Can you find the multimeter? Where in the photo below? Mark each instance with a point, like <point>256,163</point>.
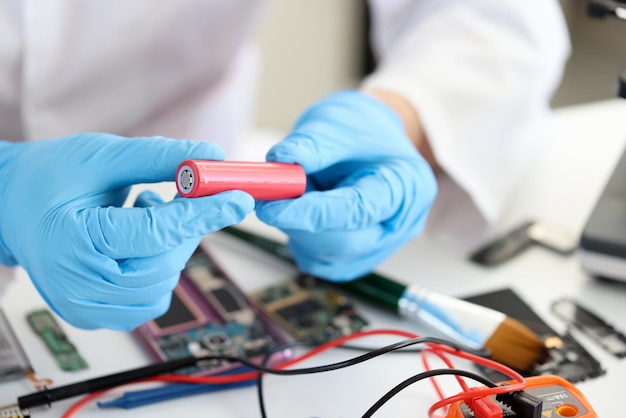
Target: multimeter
<point>560,399</point>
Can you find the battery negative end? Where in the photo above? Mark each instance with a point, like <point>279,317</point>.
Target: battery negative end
<point>185,179</point>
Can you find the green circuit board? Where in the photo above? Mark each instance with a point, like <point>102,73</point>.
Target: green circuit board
<point>309,310</point>
<point>65,353</point>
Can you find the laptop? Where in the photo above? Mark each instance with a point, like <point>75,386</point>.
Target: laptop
<point>603,239</point>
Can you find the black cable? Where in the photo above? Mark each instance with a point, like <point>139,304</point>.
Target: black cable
<point>368,349</point>
<point>259,379</point>
<point>480,352</point>
<point>399,346</point>
<point>259,385</point>
<point>422,376</point>
<point>342,364</point>
<point>261,398</point>
<point>46,397</point>
<point>385,398</point>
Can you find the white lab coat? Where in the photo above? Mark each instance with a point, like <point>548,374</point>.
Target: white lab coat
<point>479,72</point>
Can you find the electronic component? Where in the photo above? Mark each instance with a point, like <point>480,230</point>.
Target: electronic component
<point>565,356</point>
<point>65,353</point>
<point>210,315</point>
<point>222,294</point>
<point>504,248</point>
<point>13,360</point>
<point>592,325</point>
<point>263,180</point>
<point>306,307</point>
<point>545,397</point>
<point>14,411</point>
<point>309,310</point>
<point>519,239</point>
<point>182,315</point>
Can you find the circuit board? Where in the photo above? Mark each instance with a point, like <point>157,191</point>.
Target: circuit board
<point>65,353</point>
<point>210,315</point>
<point>309,310</point>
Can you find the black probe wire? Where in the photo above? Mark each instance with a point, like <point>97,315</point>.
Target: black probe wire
<point>259,379</point>
<point>47,396</point>
<point>482,352</point>
<point>268,355</point>
<point>425,375</point>
<point>368,349</point>
<point>350,362</point>
<point>396,347</point>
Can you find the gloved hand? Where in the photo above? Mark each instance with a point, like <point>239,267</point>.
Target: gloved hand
<point>368,189</point>
<point>97,264</point>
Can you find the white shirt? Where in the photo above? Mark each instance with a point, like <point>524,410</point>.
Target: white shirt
<point>480,74</point>
<point>180,68</point>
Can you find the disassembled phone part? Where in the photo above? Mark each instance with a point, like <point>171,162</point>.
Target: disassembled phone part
<point>595,327</point>
<point>13,360</point>
<point>209,314</point>
<point>519,239</point>
<point>565,356</point>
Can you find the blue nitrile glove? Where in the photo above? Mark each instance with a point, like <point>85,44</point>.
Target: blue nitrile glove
<point>369,190</point>
<point>97,264</point>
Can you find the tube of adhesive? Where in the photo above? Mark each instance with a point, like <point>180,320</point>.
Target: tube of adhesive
<point>262,180</point>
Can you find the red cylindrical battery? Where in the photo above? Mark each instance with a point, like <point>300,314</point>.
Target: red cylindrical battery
<point>263,180</point>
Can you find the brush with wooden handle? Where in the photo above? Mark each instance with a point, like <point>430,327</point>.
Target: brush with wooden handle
<point>508,341</point>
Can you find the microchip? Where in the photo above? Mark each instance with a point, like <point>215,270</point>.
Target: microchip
<point>309,310</point>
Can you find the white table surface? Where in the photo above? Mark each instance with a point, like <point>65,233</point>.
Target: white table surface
<point>584,144</point>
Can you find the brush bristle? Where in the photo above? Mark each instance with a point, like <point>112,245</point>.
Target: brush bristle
<point>515,345</point>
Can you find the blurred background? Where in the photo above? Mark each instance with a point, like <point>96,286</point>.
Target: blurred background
<point>326,42</point>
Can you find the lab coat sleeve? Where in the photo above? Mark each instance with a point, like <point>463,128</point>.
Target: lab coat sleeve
<point>480,74</point>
